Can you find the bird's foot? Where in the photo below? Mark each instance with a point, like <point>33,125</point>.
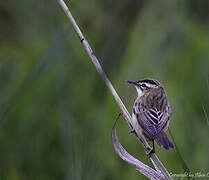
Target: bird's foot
<point>150,152</point>
<point>132,131</point>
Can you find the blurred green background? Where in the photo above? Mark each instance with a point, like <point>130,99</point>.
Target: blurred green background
<point>56,114</point>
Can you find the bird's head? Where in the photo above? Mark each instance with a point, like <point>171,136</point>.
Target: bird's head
<point>145,85</point>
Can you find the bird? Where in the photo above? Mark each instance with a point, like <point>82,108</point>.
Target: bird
<point>151,112</point>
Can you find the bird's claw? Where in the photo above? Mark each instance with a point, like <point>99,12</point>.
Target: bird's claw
<point>152,151</point>
<point>132,131</point>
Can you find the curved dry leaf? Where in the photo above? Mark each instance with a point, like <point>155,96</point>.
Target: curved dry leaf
<point>141,167</point>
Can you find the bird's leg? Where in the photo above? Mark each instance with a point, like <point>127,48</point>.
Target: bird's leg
<point>152,150</point>
<point>153,146</point>
<point>132,131</point>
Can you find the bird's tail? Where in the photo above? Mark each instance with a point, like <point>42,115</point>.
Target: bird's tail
<point>162,140</point>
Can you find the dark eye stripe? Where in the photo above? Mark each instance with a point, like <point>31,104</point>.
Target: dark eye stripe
<point>143,85</point>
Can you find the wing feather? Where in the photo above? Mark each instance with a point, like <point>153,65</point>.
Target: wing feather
<point>152,121</point>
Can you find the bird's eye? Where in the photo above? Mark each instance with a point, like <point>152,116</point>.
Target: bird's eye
<point>143,85</point>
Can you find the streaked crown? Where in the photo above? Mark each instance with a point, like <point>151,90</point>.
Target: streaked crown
<point>148,83</point>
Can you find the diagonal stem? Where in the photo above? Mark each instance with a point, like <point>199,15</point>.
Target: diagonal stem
<point>125,112</point>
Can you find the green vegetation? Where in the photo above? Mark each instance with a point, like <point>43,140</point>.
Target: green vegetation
<point>56,114</point>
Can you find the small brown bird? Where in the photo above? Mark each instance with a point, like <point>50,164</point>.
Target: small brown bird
<point>151,111</point>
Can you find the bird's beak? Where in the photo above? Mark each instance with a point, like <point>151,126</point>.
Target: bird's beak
<point>133,82</point>
<point>137,86</point>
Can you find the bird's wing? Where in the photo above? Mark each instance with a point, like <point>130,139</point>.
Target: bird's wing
<point>152,121</point>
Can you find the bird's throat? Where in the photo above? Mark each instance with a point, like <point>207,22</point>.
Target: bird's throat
<point>139,91</point>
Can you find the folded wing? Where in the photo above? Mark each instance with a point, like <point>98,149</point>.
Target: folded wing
<point>152,121</point>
